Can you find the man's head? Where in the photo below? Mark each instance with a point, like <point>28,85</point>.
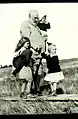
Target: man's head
<point>33,16</point>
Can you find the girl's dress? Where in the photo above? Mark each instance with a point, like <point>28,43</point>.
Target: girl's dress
<point>55,73</point>
<point>26,72</point>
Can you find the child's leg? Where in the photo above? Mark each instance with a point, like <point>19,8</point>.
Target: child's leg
<point>23,88</point>
<point>51,86</point>
<point>17,85</point>
<point>28,87</point>
<point>54,88</point>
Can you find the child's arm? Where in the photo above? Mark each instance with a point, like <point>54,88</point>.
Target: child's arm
<point>44,55</point>
<point>16,71</point>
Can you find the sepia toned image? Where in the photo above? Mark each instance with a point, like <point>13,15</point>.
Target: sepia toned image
<point>38,58</point>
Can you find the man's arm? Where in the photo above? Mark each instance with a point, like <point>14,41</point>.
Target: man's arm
<point>25,30</point>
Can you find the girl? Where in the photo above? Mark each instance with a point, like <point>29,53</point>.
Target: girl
<point>23,68</point>
<point>55,73</point>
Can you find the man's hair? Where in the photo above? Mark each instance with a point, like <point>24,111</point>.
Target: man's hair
<point>31,12</point>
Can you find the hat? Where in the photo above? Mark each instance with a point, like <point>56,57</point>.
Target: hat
<point>21,42</point>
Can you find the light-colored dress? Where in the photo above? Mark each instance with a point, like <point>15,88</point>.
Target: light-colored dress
<point>54,77</point>
<point>25,73</point>
<point>55,73</point>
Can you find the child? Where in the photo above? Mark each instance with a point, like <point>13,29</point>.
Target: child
<point>55,73</point>
<point>23,68</point>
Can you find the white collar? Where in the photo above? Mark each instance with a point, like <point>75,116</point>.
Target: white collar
<point>51,55</point>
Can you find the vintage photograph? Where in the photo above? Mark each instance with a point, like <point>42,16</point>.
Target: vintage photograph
<point>38,58</point>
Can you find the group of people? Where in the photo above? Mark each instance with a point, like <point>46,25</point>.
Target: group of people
<point>30,51</point>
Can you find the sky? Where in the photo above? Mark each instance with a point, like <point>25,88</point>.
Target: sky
<point>63,18</point>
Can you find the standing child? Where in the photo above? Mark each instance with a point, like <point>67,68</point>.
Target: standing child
<point>55,73</point>
<point>23,67</point>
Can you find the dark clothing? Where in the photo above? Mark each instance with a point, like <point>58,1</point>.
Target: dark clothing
<point>44,26</point>
<point>23,60</point>
<point>27,53</point>
<point>18,63</point>
<point>52,63</point>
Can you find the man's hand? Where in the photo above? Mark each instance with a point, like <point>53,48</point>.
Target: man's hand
<point>38,49</point>
<point>46,70</point>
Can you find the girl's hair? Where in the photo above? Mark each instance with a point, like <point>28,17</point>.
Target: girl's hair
<point>21,43</point>
<point>51,44</point>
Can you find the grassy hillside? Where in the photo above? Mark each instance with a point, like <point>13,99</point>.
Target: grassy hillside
<point>69,86</point>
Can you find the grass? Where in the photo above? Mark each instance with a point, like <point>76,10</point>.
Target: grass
<point>69,86</point>
<point>23,107</point>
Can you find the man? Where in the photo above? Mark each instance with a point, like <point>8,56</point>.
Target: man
<point>30,30</point>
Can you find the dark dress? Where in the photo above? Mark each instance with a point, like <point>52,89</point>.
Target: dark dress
<point>53,64</point>
<point>23,60</point>
<point>55,73</point>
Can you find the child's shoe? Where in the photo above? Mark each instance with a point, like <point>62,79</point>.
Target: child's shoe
<point>22,95</point>
<point>54,93</point>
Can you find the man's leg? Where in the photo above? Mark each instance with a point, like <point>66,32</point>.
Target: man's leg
<point>37,72</point>
<point>38,83</point>
<point>39,79</point>
<point>35,78</point>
